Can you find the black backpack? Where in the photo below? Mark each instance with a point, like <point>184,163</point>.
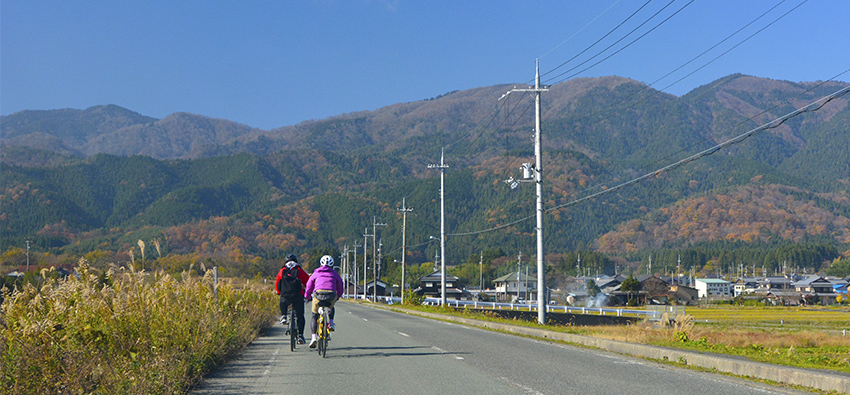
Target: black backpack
<point>289,284</point>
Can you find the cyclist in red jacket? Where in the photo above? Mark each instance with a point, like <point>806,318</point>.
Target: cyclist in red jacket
<point>289,284</point>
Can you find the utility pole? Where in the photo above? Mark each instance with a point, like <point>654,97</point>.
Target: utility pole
<point>375,224</point>
<point>678,265</point>
<point>525,284</point>
<point>354,248</point>
<point>378,270</point>
<point>28,255</point>
<point>404,210</point>
<point>480,274</point>
<point>518,263</point>
<point>442,166</point>
<point>538,180</point>
<point>365,252</point>
<point>344,269</point>
<point>650,265</point>
<point>578,266</point>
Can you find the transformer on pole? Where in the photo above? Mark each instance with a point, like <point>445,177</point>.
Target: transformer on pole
<point>537,172</point>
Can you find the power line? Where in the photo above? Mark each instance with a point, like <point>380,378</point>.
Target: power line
<point>585,26</point>
<point>749,119</point>
<point>617,107</point>
<point>626,46</point>
<point>479,131</point>
<point>495,113</point>
<point>493,228</point>
<point>811,107</point>
<point>721,42</point>
<point>814,106</point>
<point>603,37</point>
<point>699,56</point>
<point>499,109</point>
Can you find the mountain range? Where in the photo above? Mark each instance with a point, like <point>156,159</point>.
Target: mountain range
<point>74,176</point>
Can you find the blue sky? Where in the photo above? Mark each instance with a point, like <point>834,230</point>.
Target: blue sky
<point>269,64</point>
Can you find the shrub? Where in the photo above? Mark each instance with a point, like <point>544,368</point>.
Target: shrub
<point>130,333</point>
<point>412,298</point>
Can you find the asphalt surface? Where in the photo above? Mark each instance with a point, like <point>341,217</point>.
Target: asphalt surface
<point>380,351</point>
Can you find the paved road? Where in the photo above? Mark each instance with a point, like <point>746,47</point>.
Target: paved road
<point>378,351</point>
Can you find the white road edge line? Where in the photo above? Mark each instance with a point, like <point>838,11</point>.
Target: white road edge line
<point>525,389</point>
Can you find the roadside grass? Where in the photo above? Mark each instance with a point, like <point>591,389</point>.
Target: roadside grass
<point>124,332</point>
<point>802,337</point>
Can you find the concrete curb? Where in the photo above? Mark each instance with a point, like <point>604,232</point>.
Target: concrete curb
<point>822,380</point>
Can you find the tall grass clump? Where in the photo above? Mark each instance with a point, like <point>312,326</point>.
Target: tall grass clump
<point>125,332</point>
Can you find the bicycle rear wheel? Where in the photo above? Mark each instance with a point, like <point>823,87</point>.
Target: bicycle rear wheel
<point>320,325</point>
<point>319,343</point>
<point>293,330</point>
<point>326,332</point>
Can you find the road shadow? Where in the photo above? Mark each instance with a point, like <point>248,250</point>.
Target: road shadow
<point>383,352</point>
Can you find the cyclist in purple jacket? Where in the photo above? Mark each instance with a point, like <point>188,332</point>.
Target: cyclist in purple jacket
<point>324,283</point>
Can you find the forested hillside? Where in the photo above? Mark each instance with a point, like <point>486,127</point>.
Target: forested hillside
<point>249,195</point>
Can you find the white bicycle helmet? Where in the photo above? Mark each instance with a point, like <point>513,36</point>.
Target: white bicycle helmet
<point>326,260</point>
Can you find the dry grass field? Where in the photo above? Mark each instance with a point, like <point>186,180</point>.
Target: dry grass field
<point>124,333</point>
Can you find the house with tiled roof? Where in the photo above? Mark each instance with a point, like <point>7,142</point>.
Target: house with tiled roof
<point>430,286</point>
<point>813,284</point>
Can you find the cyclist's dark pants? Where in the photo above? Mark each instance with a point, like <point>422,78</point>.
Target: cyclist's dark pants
<point>298,305</point>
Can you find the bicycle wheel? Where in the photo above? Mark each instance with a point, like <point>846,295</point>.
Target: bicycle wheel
<point>327,334</point>
<point>320,328</point>
<point>293,329</point>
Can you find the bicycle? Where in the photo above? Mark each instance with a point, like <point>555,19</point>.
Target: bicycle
<point>323,334</point>
<point>291,328</point>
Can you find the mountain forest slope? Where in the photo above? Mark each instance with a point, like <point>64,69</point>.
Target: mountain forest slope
<point>75,181</point>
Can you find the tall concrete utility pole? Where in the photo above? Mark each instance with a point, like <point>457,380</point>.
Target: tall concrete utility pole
<point>538,181</point>
<point>650,265</point>
<point>480,274</point>
<point>378,269</point>
<point>442,166</point>
<point>365,252</point>
<point>375,224</point>
<point>354,265</point>
<point>578,266</point>
<point>344,270</point>
<point>404,210</point>
<point>518,271</point>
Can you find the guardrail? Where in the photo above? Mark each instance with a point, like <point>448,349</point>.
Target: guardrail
<point>653,314</point>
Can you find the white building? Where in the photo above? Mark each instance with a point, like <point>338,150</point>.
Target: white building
<point>515,286</point>
<point>713,287</point>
